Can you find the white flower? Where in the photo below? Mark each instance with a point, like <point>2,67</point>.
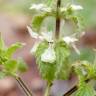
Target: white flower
<point>48,55</point>
<point>69,40</point>
<point>35,47</point>
<point>76,7</point>
<point>40,7</point>
<point>37,6</point>
<point>47,36</point>
<point>32,34</point>
<point>44,35</point>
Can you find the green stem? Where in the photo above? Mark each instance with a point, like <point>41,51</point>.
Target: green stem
<point>71,91</point>
<point>57,31</point>
<point>47,91</point>
<point>23,86</point>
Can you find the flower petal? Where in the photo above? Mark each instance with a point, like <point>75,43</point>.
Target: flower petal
<point>32,34</point>
<point>48,55</point>
<point>47,36</point>
<point>69,40</point>
<point>34,48</point>
<point>76,7</point>
<point>40,7</point>
<point>37,6</point>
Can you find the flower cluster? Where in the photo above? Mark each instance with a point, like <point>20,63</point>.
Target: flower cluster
<point>49,53</point>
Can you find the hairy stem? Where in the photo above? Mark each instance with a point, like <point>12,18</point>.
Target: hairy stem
<point>57,31</point>
<point>47,91</point>
<point>71,91</point>
<point>23,86</point>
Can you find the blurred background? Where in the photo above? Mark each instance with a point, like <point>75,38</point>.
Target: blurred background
<point>14,17</point>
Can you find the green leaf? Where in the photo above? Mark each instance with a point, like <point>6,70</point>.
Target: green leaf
<point>80,70</point>
<point>22,66</point>
<point>78,23</point>
<point>85,54</point>
<point>9,52</point>
<point>47,70</point>
<point>85,90</point>
<point>62,62</point>
<point>38,20</point>
<point>58,69</point>
<point>11,66</point>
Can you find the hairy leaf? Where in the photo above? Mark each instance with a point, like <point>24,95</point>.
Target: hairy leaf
<point>22,66</point>
<point>85,54</point>
<point>85,90</point>
<point>11,66</point>
<point>47,70</point>
<point>63,67</point>
<point>9,52</point>
<point>38,20</point>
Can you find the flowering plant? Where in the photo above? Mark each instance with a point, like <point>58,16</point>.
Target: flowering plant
<point>55,54</point>
<point>53,51</point>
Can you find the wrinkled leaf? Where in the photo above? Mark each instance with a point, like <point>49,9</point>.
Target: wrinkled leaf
<point>37,22</point>
<point>47,70</point>
<point>11,66</point>
<point>22,66</point>
<point>85,54</point>
<point>62,63</point>
<point>12,49</point>
<point>85,90</point>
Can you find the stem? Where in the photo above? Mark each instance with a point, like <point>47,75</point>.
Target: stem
<point>57,31</point>
<point>74,89</point>
<point>47,91</point>
<point>23,86</point>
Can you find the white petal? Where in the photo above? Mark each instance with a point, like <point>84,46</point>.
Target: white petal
<point>76,49</point>
<point>40,7</point>
<point>35,47</point>
<point>48,55</point>
<point>76,7</point>
<point>37,6</point>
<point>47,9</point>
<point>47,36</point>
<point>32,34</point>
<point>69,40</point>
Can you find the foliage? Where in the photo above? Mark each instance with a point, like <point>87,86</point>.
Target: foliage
<point>10,66</point>
<point>53,55</point>
<point>53,51</point>
<point>85,90</point>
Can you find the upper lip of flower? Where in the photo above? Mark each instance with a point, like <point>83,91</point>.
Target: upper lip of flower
<point>40,7</point>
<point>69,39</point>
<point>48,37</point>
<point>44,35</point>
<point>76,7</point>
<point>48,55</point>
